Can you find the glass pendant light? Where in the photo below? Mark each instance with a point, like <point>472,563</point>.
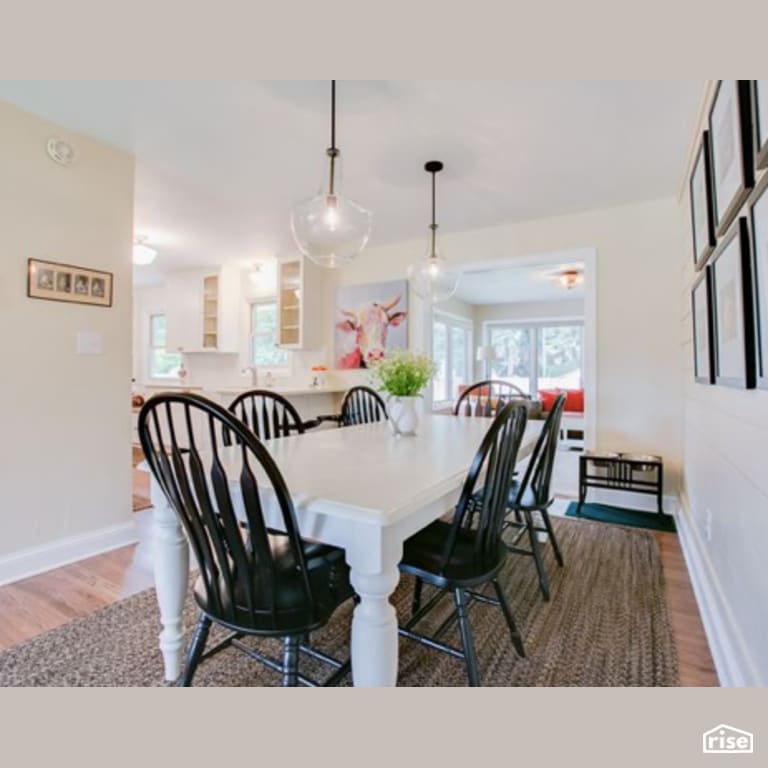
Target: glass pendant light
<point>431,278</point>
<point>331,229</point>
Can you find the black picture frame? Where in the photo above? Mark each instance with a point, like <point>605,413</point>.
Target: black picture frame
<point>701,294</point>
<point>733,309</point>
<point>731,149</point>
<point>760,122</point>
<point>54,281</point>
<point>758,228</point>
<point>700,186</point>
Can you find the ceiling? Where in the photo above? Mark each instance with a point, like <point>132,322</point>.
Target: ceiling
<point>532,282</point>
<point>220,163</point>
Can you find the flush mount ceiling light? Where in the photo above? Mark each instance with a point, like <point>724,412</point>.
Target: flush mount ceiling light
<point>331,229</point>
<point>431,279</point>
<point>60,151</point>
<point>570,278</point>
<point>142,254</point>
<point>256,273</point>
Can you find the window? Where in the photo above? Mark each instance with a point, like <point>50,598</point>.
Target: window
<point>452,352</point>
<point>162,364</point>
<point>514,346</point>
<point>264,350</point>
<point>538,356</point>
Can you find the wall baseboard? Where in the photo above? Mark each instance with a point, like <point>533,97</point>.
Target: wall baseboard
<point>732,659</point>
<point>29,562</point>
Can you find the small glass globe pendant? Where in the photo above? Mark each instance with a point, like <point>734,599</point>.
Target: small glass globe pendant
<point>431,278</point>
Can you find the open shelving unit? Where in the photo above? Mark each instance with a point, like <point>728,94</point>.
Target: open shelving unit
<point>290,301</point>
<point>211,312</point>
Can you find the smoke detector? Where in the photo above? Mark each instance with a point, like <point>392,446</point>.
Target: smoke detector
<point>61,152</point>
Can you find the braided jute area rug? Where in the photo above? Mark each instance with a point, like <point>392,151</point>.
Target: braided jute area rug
<point>606,625</point>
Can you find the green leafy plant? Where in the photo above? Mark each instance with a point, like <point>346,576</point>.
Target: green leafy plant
<point>404,374</point>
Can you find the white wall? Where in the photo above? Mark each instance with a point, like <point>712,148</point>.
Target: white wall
<point>638,357</point>
<point>458,308</point>
<point>725,434</point>
<point>65,456</point>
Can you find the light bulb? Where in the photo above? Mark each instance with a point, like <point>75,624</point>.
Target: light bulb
<point>331,213</point>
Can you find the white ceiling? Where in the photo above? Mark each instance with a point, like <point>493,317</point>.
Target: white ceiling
<point>219,164</point>
<point>532,282</point>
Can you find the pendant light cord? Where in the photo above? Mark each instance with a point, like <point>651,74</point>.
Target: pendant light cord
<point>433,225</point>
<point>333,114</point>
<point>332,151</point>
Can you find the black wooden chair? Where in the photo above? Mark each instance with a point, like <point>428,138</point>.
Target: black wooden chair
<point>487,398</point>
<point>467,553</point>
<point>533,495</point>
<point>361,405</point>
<point>251,581</point>
<point>268,414</point>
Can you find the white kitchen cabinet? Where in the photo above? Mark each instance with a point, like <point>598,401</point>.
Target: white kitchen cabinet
<point>202,310</point>
<point>299,288</point>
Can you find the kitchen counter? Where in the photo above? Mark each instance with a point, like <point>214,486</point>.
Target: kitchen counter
<point>281,390</point>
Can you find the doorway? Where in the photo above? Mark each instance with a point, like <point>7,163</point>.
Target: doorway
<point>530,321</point>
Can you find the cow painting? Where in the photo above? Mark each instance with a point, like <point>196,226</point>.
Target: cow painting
<point>370,320</point>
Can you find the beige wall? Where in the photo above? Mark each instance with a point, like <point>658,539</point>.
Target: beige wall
<point>458,308</point>
<point>521,311</point>
<point>638,355</point>
<point>725,434</point>
<point>66,455</point>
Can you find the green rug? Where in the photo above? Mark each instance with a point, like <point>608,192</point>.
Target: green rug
<point>606,514</point>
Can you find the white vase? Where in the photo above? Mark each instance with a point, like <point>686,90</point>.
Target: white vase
<point>403,417</point>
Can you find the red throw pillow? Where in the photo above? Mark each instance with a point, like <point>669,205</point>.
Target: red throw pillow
<point>574,400</point>
<point>548,397</point>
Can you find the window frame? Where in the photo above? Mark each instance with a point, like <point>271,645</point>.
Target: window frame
<point>152,347</point>
<point>252,333</point>
<point>452,321</point>
<point>536,326</point>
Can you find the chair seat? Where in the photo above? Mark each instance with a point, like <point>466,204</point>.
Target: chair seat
<point>528,500</point>
<point>328,575</point>
<point>423,556</point>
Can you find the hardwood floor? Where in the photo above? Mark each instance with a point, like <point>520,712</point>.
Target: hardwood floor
<point>43,602</point>
<point>696,665</point>
<point>51,599</point>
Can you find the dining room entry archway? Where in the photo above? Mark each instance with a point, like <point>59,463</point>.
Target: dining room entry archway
<point>533,282</point>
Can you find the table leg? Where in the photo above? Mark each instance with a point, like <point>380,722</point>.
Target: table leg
<point>660,490</point>
<point>374,576</point>
<point>171,567</point>
<point>582,484</point>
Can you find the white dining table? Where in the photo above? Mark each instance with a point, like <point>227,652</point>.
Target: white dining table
<point>360,488</point>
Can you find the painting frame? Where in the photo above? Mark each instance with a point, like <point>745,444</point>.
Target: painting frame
<point>733,309</point>
<point>731,150</point>
<point>760,122</point>
<point>700,184</point>
<point>56,281</point>
<point>701,291</point>
<point>369,320</point>
<point>758,232</point>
